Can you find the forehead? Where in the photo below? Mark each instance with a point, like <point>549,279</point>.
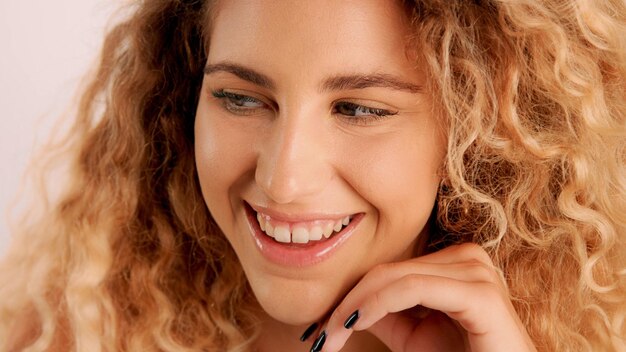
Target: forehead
<point>306,38</point>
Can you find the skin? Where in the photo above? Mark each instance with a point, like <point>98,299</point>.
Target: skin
<point>296,148</point>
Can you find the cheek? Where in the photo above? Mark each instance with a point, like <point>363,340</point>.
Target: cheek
<point>224,157</point>
<point>399,176</point>
<point>399,170</point>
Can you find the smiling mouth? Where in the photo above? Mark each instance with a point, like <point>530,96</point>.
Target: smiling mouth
<point>299,232</point>
<point>317,230</point>
<point>299,241</point>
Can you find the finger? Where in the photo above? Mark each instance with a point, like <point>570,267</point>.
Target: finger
<point>310,331</point>
<point>466,252</point>
<point>407,292</point>
<point>465,262</point>
<point>385,276</point>
<point>457,253</point>
<point>466,271</point>
<point>456,256</point>
<point>460,300</point>
<point>482,309</point>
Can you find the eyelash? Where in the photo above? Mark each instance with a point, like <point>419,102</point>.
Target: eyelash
<point>228,98</point>
<point>370,114</point>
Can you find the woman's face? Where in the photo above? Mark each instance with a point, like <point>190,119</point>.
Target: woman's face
<point>312,115</point>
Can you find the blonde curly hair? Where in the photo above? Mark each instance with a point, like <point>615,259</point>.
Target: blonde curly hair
<point>534,98</point>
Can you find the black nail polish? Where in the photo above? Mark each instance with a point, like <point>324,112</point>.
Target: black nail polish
<point>352,319</point>
<point>311,329</point>
<point>319,342</point>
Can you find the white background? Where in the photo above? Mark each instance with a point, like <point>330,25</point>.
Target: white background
<point>46,47</point>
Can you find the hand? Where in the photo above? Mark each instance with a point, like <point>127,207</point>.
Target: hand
<point>471,307</point>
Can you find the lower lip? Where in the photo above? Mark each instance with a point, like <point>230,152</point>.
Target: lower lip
<point>298,254</point>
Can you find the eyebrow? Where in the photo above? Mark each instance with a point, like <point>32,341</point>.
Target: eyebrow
<point>361,81</point>
<point>333,83</point>
<point>242,72</point>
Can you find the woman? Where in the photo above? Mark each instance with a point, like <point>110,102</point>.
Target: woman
<point>363,176</point>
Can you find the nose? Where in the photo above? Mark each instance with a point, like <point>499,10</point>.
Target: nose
<point>293,159</point>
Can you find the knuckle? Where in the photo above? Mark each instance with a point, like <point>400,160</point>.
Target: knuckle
<point>498,278</point>
<point>380,270</point>
<point>481,272</point>
<point>377,298</point>
<point>339,314</point>
<point>490,292</point>
<point>413,282</point>
<point>473,250</point>
<point>485,296</point>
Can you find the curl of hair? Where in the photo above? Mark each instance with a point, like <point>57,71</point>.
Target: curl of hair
<point>533,96</point>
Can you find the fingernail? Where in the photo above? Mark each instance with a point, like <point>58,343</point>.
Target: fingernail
<point>351,320</point>
<point>311,329</point>
<point>319,342</point>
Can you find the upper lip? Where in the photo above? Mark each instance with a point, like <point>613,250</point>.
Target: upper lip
<point>297,217</point>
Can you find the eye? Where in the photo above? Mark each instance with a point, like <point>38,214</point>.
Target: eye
<point>238,103</point>
<point>360,114</point>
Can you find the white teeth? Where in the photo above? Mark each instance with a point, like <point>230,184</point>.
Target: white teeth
<point>261,221</point>
<point>328,230</point>
<point>315,234</point>
<point>300,235</point>
<point>281,234</point>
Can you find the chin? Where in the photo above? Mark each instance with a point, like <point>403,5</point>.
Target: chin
<point>295,303</point>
